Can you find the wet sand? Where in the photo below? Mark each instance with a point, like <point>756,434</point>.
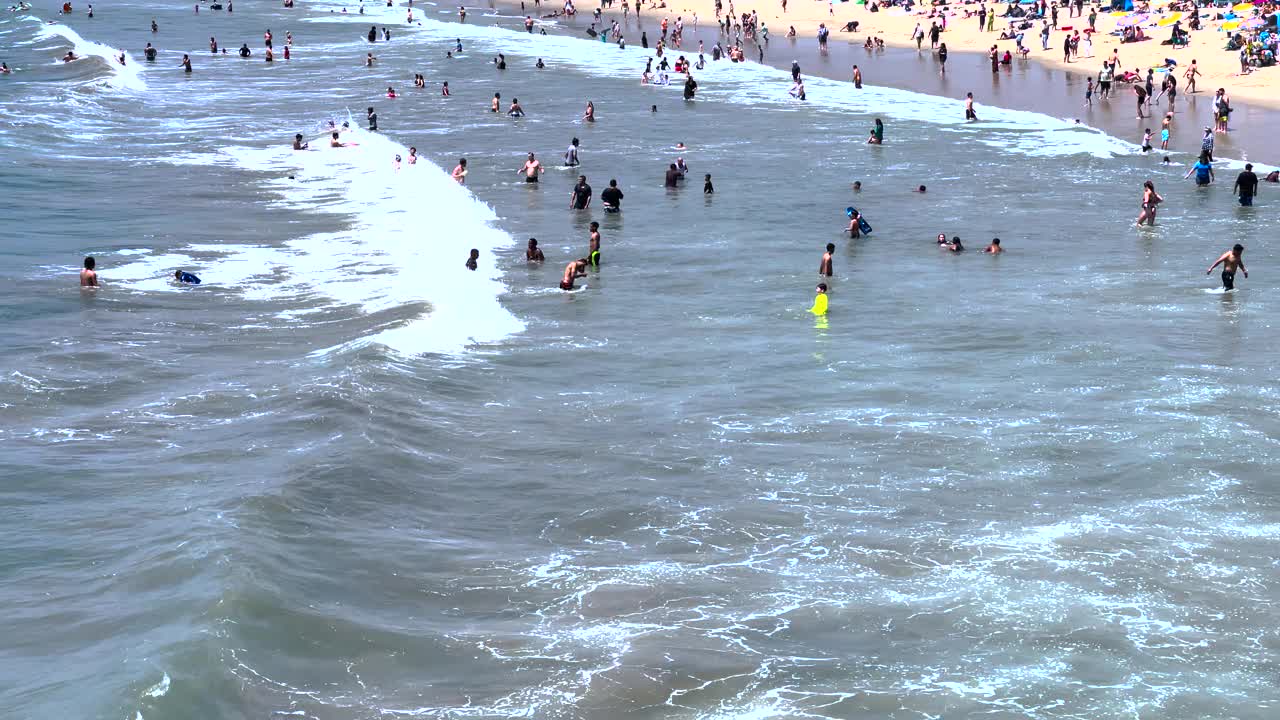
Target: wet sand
<point>1027,85</point>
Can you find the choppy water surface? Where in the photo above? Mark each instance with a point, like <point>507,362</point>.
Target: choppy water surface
<point>348,478</point>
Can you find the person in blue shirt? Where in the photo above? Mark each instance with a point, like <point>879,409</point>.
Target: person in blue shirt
<point>1203,170</point>
<point>186,278</point>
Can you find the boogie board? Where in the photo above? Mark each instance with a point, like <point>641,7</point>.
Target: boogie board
<point>863,226</point>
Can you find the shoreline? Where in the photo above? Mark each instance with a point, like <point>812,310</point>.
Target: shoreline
<point>1029,85</point>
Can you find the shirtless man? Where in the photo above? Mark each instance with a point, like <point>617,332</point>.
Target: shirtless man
<point>1229,260</point>
<point>824,268</point>
<point>297,142</point>
<point>493,106</point>
<point>89,276</point>
<point>573,271</point>
<point>515,110</point>
<point>594,246</point>
<point>460,171</point>
<point>473,261</point>
<point>994,248</point>
<point>534,253</point>
<point>969,114</point>
<point>532,169</point>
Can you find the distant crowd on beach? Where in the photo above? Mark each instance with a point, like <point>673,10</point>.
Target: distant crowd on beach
<point>737,30</point>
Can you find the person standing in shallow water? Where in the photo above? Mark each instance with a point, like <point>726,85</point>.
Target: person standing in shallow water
<point>1150,201</point>
<point>1230,262</point>
<point>89,275</point>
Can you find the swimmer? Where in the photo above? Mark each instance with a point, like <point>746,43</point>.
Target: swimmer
<point>540,65</point>
<point>533,253</point>
<point>372,117</point>
<point>942,239</point>
<point>444,89</point>
<point>334,141</point>
<point>573,271</point>
<point>185,278</point>
<point>4,69</point>
<point>244,50</point>
<point>877,134</point>
<point>580,199</point>
<point>396,163</point>
<point>460,171</point>
<point>391,92</point>
<point>298,144</point>
<point>368,59</point>
<point>684,169</point>
<point>1229,260</point>
<point>495,104</point>
<point>955,245</point>
<point>594,245</point>
<point>186,64</point>
<point>413,156</point>
<point>611,197</point>
<point>653,109</point>
<point>571,154</point>
<point>69,57</point>
<point>531,169</point>
<point>474,261</point>
<point>707,187</point>
<point>89,275</point>
<point>681,146</point>
<point>590,114</point>
<point>969,114</point>
<point>855,224</point>
<point>994,248</point>
<point>673,176</point>
<point>500,61</point>
<point>922,189</point>
<point>857,186</point>
<point>824,268</point>
<point>819,307</point>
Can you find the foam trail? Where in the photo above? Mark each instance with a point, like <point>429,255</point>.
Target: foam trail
<point>125,77</point>
<point>410,235</point>
<point>765,87</point>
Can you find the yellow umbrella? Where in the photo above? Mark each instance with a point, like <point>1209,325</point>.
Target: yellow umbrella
<point>1170,20</point>
<point>1119,13</point>
<point>1232,25</point>
<point>1243,7</point>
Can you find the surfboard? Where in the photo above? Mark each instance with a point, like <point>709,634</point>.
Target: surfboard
<point>863,226</point>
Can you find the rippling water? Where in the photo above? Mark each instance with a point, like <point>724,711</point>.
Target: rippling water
<point>348,478</point>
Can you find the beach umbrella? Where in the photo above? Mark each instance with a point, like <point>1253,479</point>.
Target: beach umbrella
<point>1170,20</point>
<point>1252,23</point>
<point>1131,20</point>
<point>1232,25</point>
<point>1243,7</point>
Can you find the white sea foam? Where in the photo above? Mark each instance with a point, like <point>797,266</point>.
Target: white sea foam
<point>411,231</point>
<point>125,77</point>
<point>765,87</point>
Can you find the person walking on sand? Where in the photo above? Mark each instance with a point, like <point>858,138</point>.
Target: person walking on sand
<point>1230,261</point>
<point>1150,201</point>
<point>1190,76</point>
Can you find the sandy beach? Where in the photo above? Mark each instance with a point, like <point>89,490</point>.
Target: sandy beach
<point>1218,67</point>
<point>1038,83</point>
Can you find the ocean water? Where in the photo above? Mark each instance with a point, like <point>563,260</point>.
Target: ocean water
<point>347,477</point>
